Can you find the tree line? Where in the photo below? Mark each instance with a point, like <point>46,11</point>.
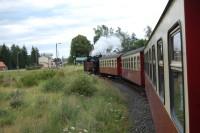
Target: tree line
<point>129,41</point>
<point>18,57</point>
<point>81,46</point>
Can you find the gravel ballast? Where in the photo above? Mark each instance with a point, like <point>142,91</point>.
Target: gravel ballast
<point>139,110</point>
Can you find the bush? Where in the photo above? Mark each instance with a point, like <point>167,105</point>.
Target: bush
<point>33,67</point>
<point>6,118</point>
<point>29,80</point>
<point>16,99</point>
<point>46,74</point>
<point>60,73</point>
<point>33,78</point>
<point>1,78</point>
<point>83,85</point>
<point>53,85</point>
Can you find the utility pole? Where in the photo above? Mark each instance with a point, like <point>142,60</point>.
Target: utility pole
<point>18,60</point>
<point>57,54</point>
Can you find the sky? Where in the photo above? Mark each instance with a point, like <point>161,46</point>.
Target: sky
<point>43,23</point>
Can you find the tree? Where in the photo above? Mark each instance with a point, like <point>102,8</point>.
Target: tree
<point>148,32</point>
<point>139,43</point>
<point>80,47</point>
<point>5,55</point>
<point>15,51</point>
<point>34,56</point>
<point>126,39</point>
<point>102,30</point>
<point>23,57</point>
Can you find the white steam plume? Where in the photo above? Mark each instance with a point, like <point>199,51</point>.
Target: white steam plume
<point>107,45</point>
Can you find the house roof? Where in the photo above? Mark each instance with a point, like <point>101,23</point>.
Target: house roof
<point>2,64</point>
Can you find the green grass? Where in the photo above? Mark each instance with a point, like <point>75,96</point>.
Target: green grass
<point>65,100</point>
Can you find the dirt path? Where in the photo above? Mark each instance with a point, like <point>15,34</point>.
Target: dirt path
<point>139,111</point>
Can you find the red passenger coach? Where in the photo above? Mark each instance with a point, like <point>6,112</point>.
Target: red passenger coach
<point>110,65</point>
<point>172,68</point>
<point>133,66</point>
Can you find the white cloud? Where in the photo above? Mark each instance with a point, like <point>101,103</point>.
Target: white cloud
<point>65,19</point>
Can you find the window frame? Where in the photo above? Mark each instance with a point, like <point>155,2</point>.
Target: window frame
<point>150,64</point>
<point>154,74</point>
<point>160,41</point>
<point>176,28</point>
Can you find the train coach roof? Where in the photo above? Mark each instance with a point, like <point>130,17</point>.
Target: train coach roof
<point>110,56</point>
<point>133,51</point>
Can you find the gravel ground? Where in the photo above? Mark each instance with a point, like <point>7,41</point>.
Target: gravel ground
<point>139,110</point>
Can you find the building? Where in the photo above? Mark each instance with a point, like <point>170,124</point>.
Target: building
<point>80,60</point>
<point>2,66</point>
<point>46,61</point>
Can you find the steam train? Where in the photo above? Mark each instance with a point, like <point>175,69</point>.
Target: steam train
<point>168,68</point>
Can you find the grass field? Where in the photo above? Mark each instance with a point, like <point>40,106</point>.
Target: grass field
<point>56,101</point>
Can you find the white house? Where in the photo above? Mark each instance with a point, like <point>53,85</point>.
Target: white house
<point>46,61</point>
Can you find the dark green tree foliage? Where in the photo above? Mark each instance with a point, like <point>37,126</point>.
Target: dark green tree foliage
<point>139,43</point>
<point>34,56</point>
<point>102,30</point>
<point>128,42</point>
<point>5,55</point>
<point>23,57</point>
<point>16,56</point>
<point>126,39</point>
<point>80,47</point>
<point>148,32</point>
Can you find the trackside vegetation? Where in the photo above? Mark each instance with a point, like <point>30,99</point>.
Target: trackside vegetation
<point>60,101</point>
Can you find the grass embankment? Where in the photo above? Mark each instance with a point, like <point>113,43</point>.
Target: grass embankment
<point>53,101</point>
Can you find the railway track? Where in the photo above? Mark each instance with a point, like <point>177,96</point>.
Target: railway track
<point>139,110</point>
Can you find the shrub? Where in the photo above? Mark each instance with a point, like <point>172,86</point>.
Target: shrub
<point>53,85</point>
<point>29,80</point>
<point>6,118</point>
<point>83,85</point>
<point>60,73</point>
<point>33,67</point>
<point>46,74</point>
<point>16,99</point>
<point>4,96</point>
<point>1,78</point>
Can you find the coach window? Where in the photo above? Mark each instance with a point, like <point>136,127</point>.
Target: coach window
<point>160,63</point>
<point>176,78</point>
<point>106,63</point>
<point>131,63</point>
<point>147,62</point>
<point>126,63</point>
<point>138,62</point>
<point>122,63</point>
<point>150,70</point>
<point>154,65</point>
<point>112,63</point>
